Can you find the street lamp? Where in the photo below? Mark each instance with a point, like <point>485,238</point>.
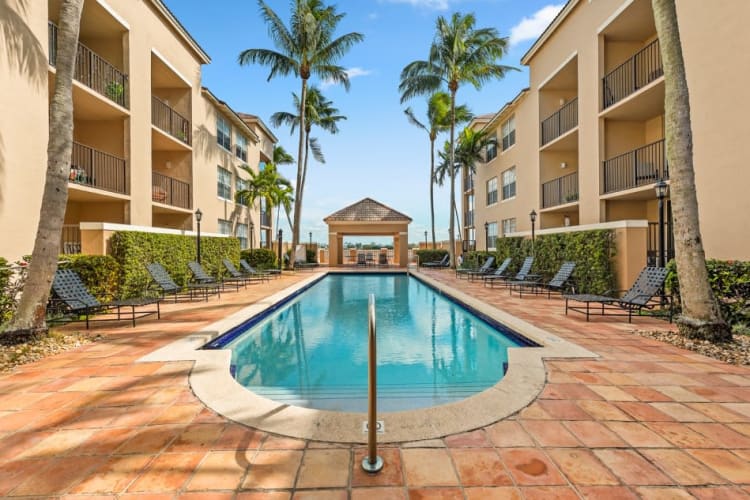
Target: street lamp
<point>280,260</point>
<point>425,239</point>
<point>252,234</point>
<point>487,236</point>
<point>198,217</point>
<point>310,238</point>
<point>662,189</point>
<point>532,216</point>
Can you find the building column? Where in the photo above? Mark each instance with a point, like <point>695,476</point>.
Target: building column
<point>334,253</point>
<point>403,249</point>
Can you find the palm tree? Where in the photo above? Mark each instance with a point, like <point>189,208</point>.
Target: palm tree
<point>320,112</point>
<point>281,156</point>
<point>30,315</point>
<point>306,48</point>
<point>701,316</point>
<point>459,54</point>
<point>267,184</point>
<point>438,121</point>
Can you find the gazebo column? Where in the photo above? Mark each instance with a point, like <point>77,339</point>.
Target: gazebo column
<point>403,249</point>
<point>334,252</point>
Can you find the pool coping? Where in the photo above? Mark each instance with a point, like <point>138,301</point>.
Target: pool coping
<point>212,382</point>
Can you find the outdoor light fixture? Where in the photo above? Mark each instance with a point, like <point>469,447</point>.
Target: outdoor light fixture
<point>662,189</point>
<point>280,238</point>
<point>252,231</point>
<point>486,235</point>
<point>532,216</point>
<point>198,217</point>
<point>310,238</point>
<point>425,239</point>
<point>566,220</point>
<point>564,164</point>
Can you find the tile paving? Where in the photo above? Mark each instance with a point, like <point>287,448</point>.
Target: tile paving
<point>646,420</point>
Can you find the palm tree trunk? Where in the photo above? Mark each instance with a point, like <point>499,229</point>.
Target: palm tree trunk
<point>30,315</point>
<point>432,190</point>
<point>701,317</point>
<point>452,170</point>
<point>307,155</point>
<point>300,168</point>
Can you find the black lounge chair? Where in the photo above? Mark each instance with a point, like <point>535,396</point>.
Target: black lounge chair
<point>248,269</point>
<point>361,259</point>
<point>642,295</point>
<point>236,275</point>
<point>499,272</point>
<point>200,276</point>
<point>304,265</point>
<point>559,283</point>
<point>70,296</point>
<point>522,275</point>
<point>484,269</point>
<point>444,262</point>
<point>165,285</point>
<point>382,259</point>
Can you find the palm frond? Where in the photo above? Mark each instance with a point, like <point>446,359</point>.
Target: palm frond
<point>317,152</point>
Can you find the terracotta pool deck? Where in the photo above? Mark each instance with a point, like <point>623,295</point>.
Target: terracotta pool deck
<point>646,420</point>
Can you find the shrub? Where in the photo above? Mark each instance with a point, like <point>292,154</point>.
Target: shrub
<point>730,282</point>
<point>472,260</point>
<point>260,258</point>
<point>99,273</point>
<point>312,256</point>
<point>134,250</point>
<point>431,255</point>
<point>8,292</point>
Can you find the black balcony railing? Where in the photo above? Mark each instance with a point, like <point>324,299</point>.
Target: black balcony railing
<point>265,219</point>
<point>70,239</point>
<point>469,183</point>
<point>469,218</point>
<point>93,71</point>
<point>638,71</point>
<point>170,191</point>
<point>169,120</point>
<point>640,167</point>
<point>564,119</point>
<point>97,169</point>
<point>560,191</point>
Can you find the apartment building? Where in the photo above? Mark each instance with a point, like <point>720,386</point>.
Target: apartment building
<point>149,150</point>
<point>588,133</point>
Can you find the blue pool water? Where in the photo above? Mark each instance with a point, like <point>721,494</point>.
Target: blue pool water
<point>312,351</point>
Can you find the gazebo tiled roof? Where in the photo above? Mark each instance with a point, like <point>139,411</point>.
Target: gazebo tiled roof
<point>367,210</point>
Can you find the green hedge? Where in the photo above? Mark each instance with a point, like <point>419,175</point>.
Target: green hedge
<point>730,282</point>
<point>592,251</point>
<point>7,292</point>
<point>100,273</point>
<point>260,258</point>
<point>472,260</point>
<point>430,255</point>
<point>134,250</point>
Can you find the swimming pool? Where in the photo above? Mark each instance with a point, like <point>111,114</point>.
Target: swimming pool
<point>311,351</point>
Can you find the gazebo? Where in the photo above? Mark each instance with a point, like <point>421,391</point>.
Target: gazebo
<point>368,217</point>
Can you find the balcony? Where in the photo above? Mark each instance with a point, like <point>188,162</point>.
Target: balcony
<point>469,218</point>
<point>93,71</point>
<point>97,169</point>
<point>468,183</point>
<point>170,121</point>
<point>170,191</point>
<point>560,191</point>
<point>265,219</point>
<point>563,120</point>
<point>70,239</point>
<point>635,73</point>
<point>639,167</point>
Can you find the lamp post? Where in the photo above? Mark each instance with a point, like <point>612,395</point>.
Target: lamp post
<point>198,217</point>
<point>487,236</point>
<point>310,239</point>
<point>661,188</point>
<point>252,234</point>
<point>425,240</point>
<point>532,216</point>
<point>280,260</point>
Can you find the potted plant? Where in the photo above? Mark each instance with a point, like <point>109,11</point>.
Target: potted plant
<point>114,90</point>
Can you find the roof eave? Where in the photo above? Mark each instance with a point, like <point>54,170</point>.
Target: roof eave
<point>547,33</point>
<point>177,26</point>
<point>230,112</point>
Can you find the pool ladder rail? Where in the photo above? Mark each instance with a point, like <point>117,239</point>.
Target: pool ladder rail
<point>372,463</point>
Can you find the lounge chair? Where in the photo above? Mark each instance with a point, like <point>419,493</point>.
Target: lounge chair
<point>235,274</point>
<point>522,274</point>
<point>248,269</point>
<point>200,276</point>
<point>444,262</point>
<point>497,273</point>
<point>484,269</point>
<point>642,295</point>
<point>70,295</point>
<point>361,259</point>
<point>165,285</point>
<point>559,283</point>
<point>382,259</point>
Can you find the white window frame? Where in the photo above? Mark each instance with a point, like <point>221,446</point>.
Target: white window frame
<point>221,186</point>
<point>225,226</point>
<point>491,235</point>
<point>223,133</point>
<point>509,225</point>
<point>240,147</point>
<point>241,232</point>
<point>491,193</point>
<point>508,184</point>
<point>508,130</point>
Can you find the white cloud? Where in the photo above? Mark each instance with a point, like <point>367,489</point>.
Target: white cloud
<point>429,4</point>
<point>531,27</point>
<point>351,73</point>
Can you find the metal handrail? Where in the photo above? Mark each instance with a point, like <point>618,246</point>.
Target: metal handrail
<point>372,462</point>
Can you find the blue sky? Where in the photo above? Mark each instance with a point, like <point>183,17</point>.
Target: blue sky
<point>377,153</point>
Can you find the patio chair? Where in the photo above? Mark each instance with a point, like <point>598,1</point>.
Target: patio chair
<point>484,269</point>
<point>361,259</point>
<point>235,274</point>
<point>382,259</point>
<point>559,283</point>
<point>70,295</point>
<point>642,295</point>
<point>248,269</point>
<point>444,262</point>
<point>522,274</point>
<point>165,285</point>
<point>200,276</point>
<point>498,273</point>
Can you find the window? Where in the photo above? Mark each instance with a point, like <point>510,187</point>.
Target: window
<point>509,183</point>
<point>241,185</point>
<point>264,239</point>
<point>224,133</point>
<point>509,226</point>
<point>223,183</point>
<point>509,132</point>
<point>492,191</point>
<point>240,148</point>
<point>491,235</point>
<point>225,227</point>
<point>241,232</point>
<point>491,150</point>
